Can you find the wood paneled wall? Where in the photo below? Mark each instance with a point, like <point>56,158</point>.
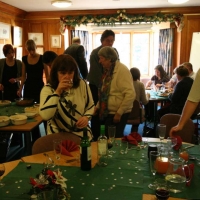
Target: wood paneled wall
<point>48,23</point>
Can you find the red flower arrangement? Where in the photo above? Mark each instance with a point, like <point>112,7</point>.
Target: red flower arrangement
<point>49,180</point>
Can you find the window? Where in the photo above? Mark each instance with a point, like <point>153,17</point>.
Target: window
<point>133,48</point>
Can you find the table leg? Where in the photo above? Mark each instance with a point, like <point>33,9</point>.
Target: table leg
<point>28,143</point>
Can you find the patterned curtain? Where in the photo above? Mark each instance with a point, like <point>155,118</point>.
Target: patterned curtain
<point>166,39</point>
<point>84,37</point>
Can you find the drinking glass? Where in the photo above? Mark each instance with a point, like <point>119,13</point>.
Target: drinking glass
<point>171,142</point>
<point>161,130</point>
<point>153,167</point>
<point>111,136</point>
<point>2,171</point>
<point>123,147</point>
<point>57,146</point>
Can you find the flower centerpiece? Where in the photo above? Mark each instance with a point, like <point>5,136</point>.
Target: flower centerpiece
<point>49,180</point>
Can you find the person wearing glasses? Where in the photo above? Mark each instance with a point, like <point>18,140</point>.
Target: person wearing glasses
<point>95,74</point>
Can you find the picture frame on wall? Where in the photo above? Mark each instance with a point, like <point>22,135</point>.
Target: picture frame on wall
<point>55,41</point>
<point>37,37</point>
<point>40,50</point>
<point>1,51</point>
<point>17,36</point>
<point>5,31</point>
<point>19,53</point>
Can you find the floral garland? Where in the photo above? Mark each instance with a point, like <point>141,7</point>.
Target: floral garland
<point>120,17</point>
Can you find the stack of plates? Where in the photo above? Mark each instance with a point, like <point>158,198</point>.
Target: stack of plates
<point>5,102</point>
<point>4,121</point>
<point>18,119</point>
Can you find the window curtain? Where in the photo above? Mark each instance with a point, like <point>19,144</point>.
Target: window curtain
<point>84,37</point>
<point>166,39</point>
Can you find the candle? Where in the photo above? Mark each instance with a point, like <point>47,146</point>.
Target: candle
<point>161,165</point>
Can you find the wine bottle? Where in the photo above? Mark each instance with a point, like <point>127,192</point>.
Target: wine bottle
<point>85,151</point>
<point>102,147</point>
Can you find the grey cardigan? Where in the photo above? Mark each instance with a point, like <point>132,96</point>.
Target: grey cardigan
<point>19,68</point>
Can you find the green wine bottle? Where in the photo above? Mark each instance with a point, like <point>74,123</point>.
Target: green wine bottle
<point>85,151</point>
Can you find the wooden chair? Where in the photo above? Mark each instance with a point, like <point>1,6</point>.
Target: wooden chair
<point>45,143</point>
<point>172,120</point>
<point>136,117</point>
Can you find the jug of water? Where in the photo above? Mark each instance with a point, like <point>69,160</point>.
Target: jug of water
<point>175,176</point>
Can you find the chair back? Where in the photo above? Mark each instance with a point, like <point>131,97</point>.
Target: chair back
<point>45,143</point>
<point>136,116</point>
<point>172,120</point>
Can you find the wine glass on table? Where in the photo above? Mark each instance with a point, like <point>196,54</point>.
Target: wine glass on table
<point>171,142</point>
<point>111,137</point>
<point>2,171</point>
<point>153,156</point>
<point>161,130</point>
<point>57,146</point>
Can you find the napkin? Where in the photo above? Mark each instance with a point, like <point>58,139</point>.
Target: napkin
<point>69,146</point>
<point>179,142</point>
<point>133,138</point>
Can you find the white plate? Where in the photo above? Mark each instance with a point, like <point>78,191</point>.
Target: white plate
<point>5,102</point>
<point>4,121</point>
<point>29,114</point>
<point>18,119</point>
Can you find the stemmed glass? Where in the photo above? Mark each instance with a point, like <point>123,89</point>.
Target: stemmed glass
<point>171,142</point>
<point>153,155</point>
<point>57,146</point>
<point>161,130</point>
<point>111,136</point>
<point>2,171</point>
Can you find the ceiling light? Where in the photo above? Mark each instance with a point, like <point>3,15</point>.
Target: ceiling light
<point>177,1</point>
<point>61,3</point>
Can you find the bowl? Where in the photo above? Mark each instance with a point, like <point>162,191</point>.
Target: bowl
<point>31,109</point>
<point>29,114</point>
<point>4,121</point>
<point>18,119</point>
<point>24,101</point>
<point>5,102</point>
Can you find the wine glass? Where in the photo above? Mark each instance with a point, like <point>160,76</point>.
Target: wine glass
<point>111,136</point>
<point>57,146</point>
<point>2,171</point>
<point>161,130</point>
<point>153,158</point>
<point>171,142</point>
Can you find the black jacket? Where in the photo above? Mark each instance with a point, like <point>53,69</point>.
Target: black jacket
<point>78,53</point>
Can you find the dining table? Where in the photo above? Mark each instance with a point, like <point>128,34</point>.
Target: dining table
<point>156,97</point>
<point>125,177</point>
<point>26,129</point>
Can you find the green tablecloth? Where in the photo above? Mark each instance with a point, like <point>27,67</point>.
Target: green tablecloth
<point>12,110</point>
<point>126,177</point>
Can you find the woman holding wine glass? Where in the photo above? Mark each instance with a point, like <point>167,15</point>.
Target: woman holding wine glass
<point>2,171</point>
<point>66,101</point>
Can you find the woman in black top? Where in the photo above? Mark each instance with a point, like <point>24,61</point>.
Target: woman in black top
<point>10,74</point>
<point>159,77</point>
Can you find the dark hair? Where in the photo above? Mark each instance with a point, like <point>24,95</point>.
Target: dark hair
<point>7,48</point>
<point>30,45</point>
<point>135,72</point>
<point>65,63</point>
<point>48,57</point>
<point>182,71</point>
<point>161,70</point>
<point>106,34</point>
